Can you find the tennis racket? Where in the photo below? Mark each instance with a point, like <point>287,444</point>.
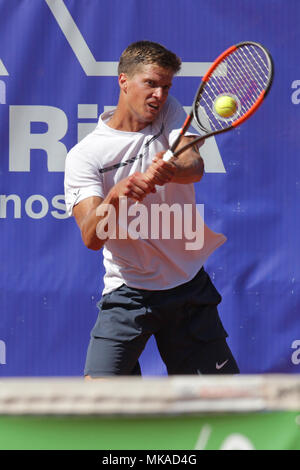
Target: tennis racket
<point>244,73</point>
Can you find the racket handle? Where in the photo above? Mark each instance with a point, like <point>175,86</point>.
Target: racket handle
<point>168,155</point>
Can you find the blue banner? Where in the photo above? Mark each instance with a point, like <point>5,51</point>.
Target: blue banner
<point>58,72</point>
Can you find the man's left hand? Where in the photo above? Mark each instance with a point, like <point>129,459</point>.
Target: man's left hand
<point>160,172</point>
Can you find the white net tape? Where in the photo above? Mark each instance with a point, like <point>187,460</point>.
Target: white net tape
<point>162,396</point>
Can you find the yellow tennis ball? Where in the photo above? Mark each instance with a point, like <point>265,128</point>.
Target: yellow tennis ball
<point>225,106</point>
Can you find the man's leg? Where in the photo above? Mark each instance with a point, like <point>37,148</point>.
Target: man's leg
<point>107,358</point>
<point>193,340</point>
<point>119,335</point>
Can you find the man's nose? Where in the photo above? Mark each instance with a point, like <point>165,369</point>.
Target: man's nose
<point>158,93</point>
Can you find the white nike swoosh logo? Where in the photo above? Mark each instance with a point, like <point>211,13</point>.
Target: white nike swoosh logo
<point>219,366</point>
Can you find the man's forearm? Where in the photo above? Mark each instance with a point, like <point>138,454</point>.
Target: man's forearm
<point>98,215</point>
<point>189,167</point>
<point>102,220</point>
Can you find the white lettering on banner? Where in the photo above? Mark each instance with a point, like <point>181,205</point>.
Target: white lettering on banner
<point>85,128</point>
<point>44,206</point>
<point>296,354</point>
<point>90,65</point>
<point>2,92</point>
<point>3,70</point>
<point>295,97</point>
<point>86,111</point>
<point>16,204</point>
<point>213,162</point>
<point>35,207</point>
<point>210,152</point>
<point>21,118</point>
<point>22,140</point>
<point>58,202</point>
<point>2,352</point>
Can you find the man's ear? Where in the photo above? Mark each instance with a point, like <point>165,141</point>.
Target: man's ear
<point>123,79</point>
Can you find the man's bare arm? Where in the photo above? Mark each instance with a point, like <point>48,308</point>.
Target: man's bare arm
<point>135,187</point>
<point>189,164</point>
<point>87,220</point>
<point>187,168</point>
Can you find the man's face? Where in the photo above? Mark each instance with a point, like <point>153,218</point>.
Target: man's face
<point>146,92</point>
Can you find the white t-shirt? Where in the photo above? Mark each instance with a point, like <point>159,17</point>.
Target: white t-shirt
<point>160,257</point>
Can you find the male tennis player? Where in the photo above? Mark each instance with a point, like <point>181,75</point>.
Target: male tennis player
<point>152,284</point>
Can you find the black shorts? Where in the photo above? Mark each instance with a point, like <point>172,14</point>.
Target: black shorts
<point>184,320</point>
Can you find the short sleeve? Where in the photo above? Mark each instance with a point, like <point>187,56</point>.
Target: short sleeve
<point>82,178</point>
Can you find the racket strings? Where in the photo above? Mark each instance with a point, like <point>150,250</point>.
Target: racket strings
<point>250,73</point>
<point>245,86</point>
<point>244,75</point>
<point>246,68</point>
<point>261,66</point>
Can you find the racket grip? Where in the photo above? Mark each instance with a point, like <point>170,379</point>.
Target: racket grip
<point>168,155</point>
